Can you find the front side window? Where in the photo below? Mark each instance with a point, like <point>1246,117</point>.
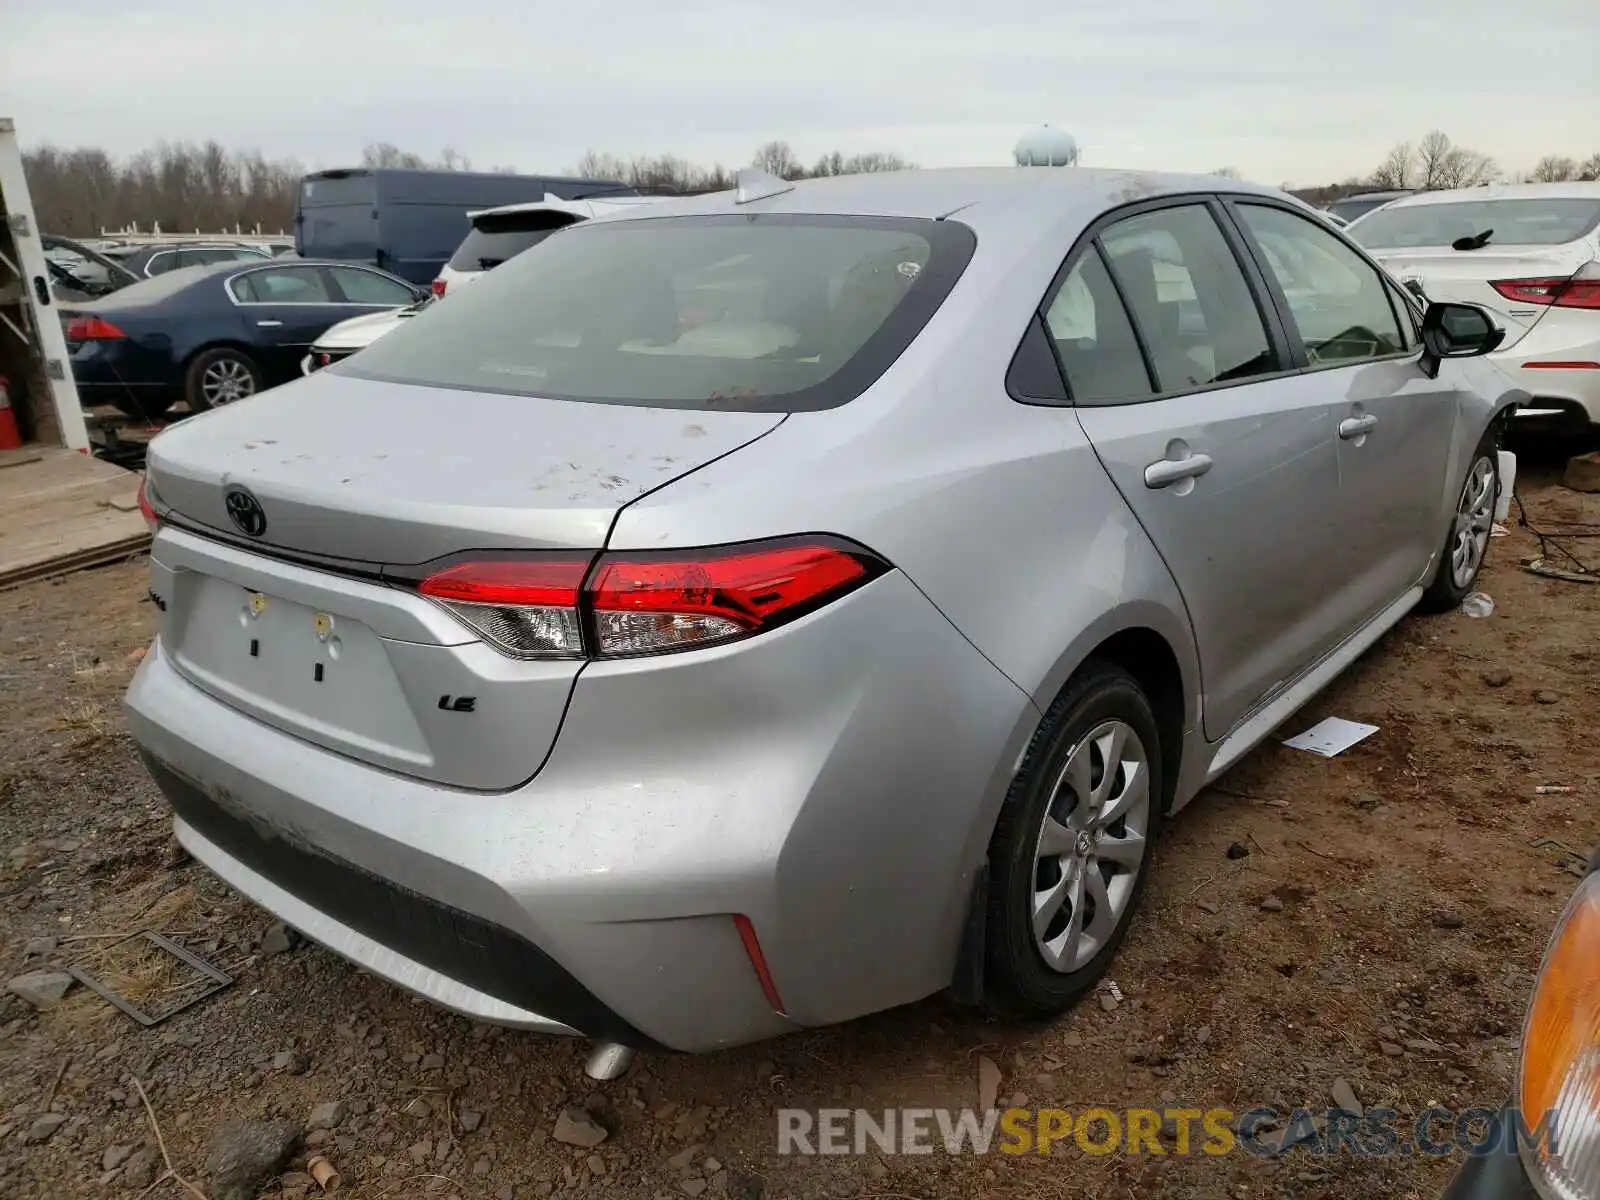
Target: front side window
<point>1189,298</point>
<point>1094,341</point>
<point>1339,302</point>
<point>368,287</point>
<point>287,285</point>
<point>753,312</point>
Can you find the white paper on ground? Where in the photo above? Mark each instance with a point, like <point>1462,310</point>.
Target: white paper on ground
<point>1332,736</point>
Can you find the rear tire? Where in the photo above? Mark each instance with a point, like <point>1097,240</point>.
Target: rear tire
<point>1466,543</point>
<point>220,376</point>
<point>1071,849</point>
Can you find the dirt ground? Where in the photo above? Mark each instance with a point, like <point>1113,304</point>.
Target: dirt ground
<point>1407,896</point>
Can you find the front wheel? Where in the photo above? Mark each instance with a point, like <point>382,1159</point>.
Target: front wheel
<point>1071,849</point>
<point>219,377</point>
<point>1467,542</point>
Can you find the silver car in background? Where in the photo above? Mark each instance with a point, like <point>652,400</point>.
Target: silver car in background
<point>771,607</point>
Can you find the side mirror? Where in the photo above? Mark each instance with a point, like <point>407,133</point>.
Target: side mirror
<point>1457,331</point>
<point>1414,286</point>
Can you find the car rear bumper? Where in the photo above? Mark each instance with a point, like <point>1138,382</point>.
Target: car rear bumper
<point>835,781</point>
<point>1563,381</point>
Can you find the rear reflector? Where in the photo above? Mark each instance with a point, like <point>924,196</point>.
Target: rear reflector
<point>92,329</point>
<point>539,606</point>
<point>1561,366</point>
<point>758,961</point>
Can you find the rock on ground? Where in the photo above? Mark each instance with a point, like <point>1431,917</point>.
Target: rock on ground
<point>576,1127</point>
<point>42,989</point>
<point>242,1157</point>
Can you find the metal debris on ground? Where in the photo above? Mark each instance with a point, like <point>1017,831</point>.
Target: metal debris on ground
<point>1478,604</point>
<point>213,979</point>
<point>1556,558</point>
<point>1553,789</point>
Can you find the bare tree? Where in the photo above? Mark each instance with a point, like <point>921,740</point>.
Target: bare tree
<point>1394,172</point>
<point>1465,168</point>
<point>1590,168</point>
<point>1225,172</point>
<point>1553,168</point>
<point>1432,153</point>
<point>776,158</point>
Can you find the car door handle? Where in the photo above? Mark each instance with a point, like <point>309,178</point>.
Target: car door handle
<point>270,324</point>
<point>1353,427</point>
<point>1171,470</point>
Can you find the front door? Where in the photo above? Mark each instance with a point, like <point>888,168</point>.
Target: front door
<point>1394,424</point>
<point>1227,460</point>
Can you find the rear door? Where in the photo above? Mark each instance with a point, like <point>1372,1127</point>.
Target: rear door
<point>1394,424</point>
<point>1186,389</point>
<point>285,309</point>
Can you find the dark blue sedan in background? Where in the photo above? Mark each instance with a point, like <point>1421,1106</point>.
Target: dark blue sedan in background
<point>209,335</point>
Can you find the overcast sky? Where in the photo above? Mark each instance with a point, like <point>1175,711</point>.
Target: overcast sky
<point>1284,91</point>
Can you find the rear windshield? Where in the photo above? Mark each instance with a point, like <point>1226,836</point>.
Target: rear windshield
<point>323,191</point>
<point>1541,222</point>
<point>495,239</point>
<point>756,313</point>
<point>1358,206</point>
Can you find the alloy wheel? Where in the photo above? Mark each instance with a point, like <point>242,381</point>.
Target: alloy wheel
<point>227,380</point>
<point>1474,518</point>
<point>1091,846</point>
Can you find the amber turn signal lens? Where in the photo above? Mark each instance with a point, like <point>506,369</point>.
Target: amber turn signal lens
<point>1560,1073</point>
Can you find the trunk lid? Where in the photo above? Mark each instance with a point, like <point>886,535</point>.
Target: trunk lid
<point>1464,276</point>
<point>356,475</point>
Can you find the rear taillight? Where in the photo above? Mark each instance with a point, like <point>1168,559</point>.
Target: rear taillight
<point>1581,290</point>
<point>524,606</point>
<point>630,604</point>
<point>93,329</point>
<point>438,287</point>
<point>147,510</point>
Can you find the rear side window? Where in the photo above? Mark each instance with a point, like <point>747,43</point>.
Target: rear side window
<point>161,262</point>
<point>1188,296</point>
<point>756,313</point>
<point>493,240</point>
<point>1523,222</point>
<point>368,287</point>
<point>1094,339</point>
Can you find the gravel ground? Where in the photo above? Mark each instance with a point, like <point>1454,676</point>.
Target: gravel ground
<point>1374,918</point>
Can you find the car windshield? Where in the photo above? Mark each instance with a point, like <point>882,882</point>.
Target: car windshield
<point>757,313</point>
<point>1521,222</point>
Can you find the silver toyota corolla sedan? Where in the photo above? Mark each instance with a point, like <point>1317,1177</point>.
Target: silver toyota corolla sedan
<point>771,607</point>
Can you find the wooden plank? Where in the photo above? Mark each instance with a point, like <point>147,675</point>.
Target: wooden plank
<point>64,512</point>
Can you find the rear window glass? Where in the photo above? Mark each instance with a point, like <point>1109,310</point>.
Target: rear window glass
<point>319,191</point>
<point>756,313</point>
<point>493,240</point>
<point>1541,222</point>
<point>1358,206</point>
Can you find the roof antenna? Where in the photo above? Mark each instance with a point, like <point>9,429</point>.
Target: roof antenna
<point>752,183</point>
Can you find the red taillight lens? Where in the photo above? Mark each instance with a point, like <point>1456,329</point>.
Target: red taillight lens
<point>533,606</point>
<point>147,510</point>
<point>647,604</point>
<point>1580,291</point>
<point>93,329</point>
<point>438,287</point>
<point>526,607</point>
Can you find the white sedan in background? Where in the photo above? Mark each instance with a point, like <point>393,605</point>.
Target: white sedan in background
<point>1530,253</point>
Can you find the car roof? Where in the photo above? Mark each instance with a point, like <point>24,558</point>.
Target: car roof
<point>1570,190</point>
<point>1390,195</point>
<point>989,196</point>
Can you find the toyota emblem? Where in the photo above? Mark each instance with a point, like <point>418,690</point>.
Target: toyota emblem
<point>244,510</point>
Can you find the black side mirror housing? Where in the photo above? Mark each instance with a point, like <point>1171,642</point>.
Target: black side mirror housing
<point>1457,331</point>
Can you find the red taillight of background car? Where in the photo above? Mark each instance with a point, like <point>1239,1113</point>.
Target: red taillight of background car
<point>630,604</point>
<point>92,329</point>
<point>438,288</point>
<point>1581,290</point>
